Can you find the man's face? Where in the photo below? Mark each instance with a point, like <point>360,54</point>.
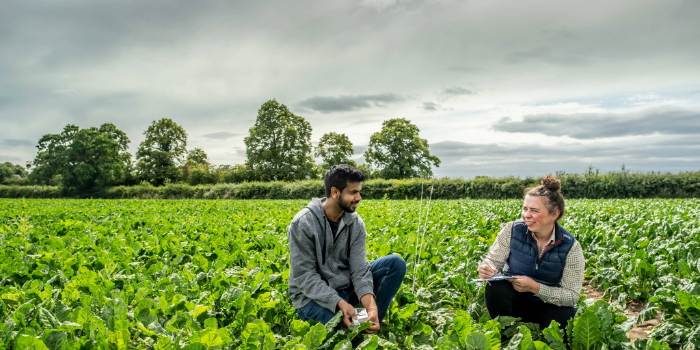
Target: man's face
<point>350,198</point>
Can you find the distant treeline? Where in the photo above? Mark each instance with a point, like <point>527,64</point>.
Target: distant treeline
<point>589,185</point>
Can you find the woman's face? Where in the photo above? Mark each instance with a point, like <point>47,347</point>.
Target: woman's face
<point>536,215</point>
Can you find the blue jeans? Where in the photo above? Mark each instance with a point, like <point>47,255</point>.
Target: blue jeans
<point>387,272</point>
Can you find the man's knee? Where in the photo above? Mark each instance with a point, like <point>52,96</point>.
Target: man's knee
<point>397,264</point>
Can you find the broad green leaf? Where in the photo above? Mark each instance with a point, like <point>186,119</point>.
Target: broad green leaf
<point>506,321</point>
<point>526,342</point>
<point>687,300</point>
<point>334,322</point>
<point>62,312</point>
<point>56,341</point>
<point>315,336</point>
<point>605,318</point>
<point>355,329</point>
<point>462,326</point>
<point>164,344</point>
<point>195,346</point>
<point>26,342</point>
<point>494,338</point>
<point>211,339</point>
<point>514,343</point>
<point>343,345</point>
<point>198,310</point>
<point>47,319</point>
<point>587,331</point>
<point>120,339</point>
<point>80,316</point>
<point>211,324</point>
<point>552,333</point>
<point>299,328</point>
<point>477,341</point>
<point>407,311</point>
<point>540,345</point>
<point>369,344</point>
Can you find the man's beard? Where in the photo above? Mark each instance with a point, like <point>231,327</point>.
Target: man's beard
<point>346,206</point>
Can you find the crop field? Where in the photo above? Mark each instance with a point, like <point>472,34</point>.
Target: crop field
<point>196,275</point>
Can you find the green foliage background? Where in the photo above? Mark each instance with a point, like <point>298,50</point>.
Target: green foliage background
<point>611,185</point>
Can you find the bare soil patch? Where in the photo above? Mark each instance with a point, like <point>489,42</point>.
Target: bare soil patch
<point>639,331</point>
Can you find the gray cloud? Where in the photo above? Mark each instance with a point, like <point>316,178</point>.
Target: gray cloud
<point>11,159</point>
<point>220,135</point>
<point>17,143</point>
<point>556,55</point>
<point>660,120</point>
<point>456,90</point>
<point>209,66</point>
<point>430,106</point>
<point>330,104</point>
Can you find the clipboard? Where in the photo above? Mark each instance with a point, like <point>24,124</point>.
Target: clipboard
<point>495,277</point>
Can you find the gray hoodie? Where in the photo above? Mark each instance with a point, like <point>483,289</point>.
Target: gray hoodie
<point>316,276</point>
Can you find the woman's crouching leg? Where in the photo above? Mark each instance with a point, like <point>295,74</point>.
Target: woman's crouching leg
<point>499,297</point>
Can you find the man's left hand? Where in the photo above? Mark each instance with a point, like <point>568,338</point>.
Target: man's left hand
<point>373,316</point>
<point>525,284</point>
<point>370,305</point>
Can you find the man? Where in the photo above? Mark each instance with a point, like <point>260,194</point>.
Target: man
<point>329,269</point>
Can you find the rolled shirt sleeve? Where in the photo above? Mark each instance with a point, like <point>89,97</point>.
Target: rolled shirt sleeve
<point>500,249</point>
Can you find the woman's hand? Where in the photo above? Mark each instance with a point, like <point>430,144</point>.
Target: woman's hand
<point>525,284</point>
<point>486,272</point>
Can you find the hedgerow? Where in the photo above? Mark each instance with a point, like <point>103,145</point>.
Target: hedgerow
<point>591,186</point>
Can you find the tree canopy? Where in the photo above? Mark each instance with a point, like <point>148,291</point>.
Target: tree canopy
<point>397,152</point>
<point>9,170</point>
<point>197,157</point>
<point>279,145</point>
<point>162,152</point>
<point>84,158</point>
<point>334,149</point>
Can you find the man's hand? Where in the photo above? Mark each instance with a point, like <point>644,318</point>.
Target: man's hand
<point>370,305</point>
<point>525,284</point>
<point>486,272</point>
<point>348,312</point>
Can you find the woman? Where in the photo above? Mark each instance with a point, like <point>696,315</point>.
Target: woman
<point>546,259</point>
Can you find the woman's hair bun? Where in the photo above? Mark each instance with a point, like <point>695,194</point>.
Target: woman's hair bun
<point>551,183</point>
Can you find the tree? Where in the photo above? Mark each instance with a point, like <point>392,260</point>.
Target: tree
<point>334,149</point>
<point>197,157</point>
<point>398,153</point>
<point>162,152</point>
<point>6,172</point>
<point>9,171</point>
<point>83,158</point>
<point>279,145</point>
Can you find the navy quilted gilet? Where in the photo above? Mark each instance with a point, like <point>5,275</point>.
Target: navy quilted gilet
<point>524,261</point>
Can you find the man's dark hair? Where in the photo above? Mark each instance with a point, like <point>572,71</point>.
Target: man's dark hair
<point>338,176</point>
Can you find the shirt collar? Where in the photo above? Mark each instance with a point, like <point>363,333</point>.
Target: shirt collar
<point>552,238</point>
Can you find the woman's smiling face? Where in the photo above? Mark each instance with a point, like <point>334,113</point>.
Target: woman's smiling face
<point>536,215</point>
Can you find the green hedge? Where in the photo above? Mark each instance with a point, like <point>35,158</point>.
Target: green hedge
<point>611,185</point>
<point>29,192</point>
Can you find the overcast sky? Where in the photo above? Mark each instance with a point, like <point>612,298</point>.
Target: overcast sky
<point>496,87</point>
